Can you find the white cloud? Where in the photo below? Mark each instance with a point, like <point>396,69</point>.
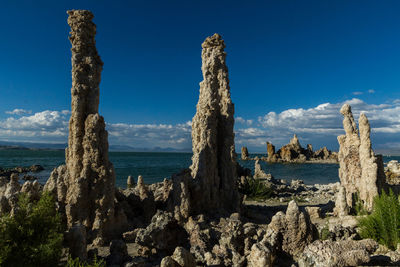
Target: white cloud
<point>52,126</point>
<point>240,120</point>
<point>319,125</point>
<point>151,135</point>
<point>371,91</point>
<point>357,93</point>
<point>19,111</point>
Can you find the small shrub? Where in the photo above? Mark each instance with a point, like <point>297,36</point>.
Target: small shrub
<point>255,189</point>
<point>383,224</point>
<point>359,208</point>
<point>325,233</point>
<point>33,235</point>
<point>77,263</point>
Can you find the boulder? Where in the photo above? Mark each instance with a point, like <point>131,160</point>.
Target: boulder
<point>260,256</point>
<point>183,257</point>
<point>163,233</point>
<point>294,230</point>
<point>337,253</point>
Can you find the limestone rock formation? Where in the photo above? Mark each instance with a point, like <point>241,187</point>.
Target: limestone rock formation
<point>86,185</point>
<point>11,189</point>
<point>91,177</point>
<point>212,179</point>
<point>183,257</point>
<point>337,253</point>
<point>392,172</point>
<point>260,256</point>
<point>163,233</point>
<point>272,157</point>
<point>341,207</point>
<point>245,153</point>
<point>294,230</point>
<point>130,182</point>
<point>294,152</point>
<point>394,167</point>
<point>360,172</point>
<point>259,172</point>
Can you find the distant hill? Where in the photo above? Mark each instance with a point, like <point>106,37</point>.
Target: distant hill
<point>114,148</point>
<point>31,146</point>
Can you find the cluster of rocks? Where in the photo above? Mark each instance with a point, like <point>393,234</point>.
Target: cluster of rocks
<point>392,172</point>
<point>285,191</point>
<point>294,152</point>
<point>21,170</point>
<point>198,218</point>
<point>11,188</point>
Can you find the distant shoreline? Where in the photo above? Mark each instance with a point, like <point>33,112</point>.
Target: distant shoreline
<point>13,148</point>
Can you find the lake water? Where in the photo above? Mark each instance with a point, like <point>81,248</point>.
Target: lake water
<point>154,167</point>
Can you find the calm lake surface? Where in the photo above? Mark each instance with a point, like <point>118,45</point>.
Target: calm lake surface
<point>154,167</point>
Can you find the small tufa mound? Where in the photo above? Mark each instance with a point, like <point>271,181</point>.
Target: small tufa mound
<point>294,230</point>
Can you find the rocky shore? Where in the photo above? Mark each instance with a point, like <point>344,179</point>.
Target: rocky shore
<point>200,217</point>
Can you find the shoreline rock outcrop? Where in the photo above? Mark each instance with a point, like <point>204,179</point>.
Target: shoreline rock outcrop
<point>212,177</point>
<point>361,173</point>
<point>245,153</point>
<point>295,153</point>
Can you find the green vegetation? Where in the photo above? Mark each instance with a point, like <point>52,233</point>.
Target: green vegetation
<point>383,224</point>
<point>33,235</point>
<point>299,199</point>
<point>359,208</point>
<point>77,263</point>
<point>325,233</point>
<point>255,189</point>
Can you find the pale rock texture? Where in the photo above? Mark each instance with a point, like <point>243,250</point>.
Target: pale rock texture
<point>341,208</point>
<point>337,253</point>
<point>85,186</point>
<point>245,153</point>
<point>294,230</point>
<point>259,172</point>
<point>393,172</point>
<point>130,182</point>
<point>168,262</point>
<point>260,256</point>
<point>183,257</point>
<point>163,233</point>
<point>271,152</point>
<point>210,186</point>
<point>394,167</point>
<point>360,172</point>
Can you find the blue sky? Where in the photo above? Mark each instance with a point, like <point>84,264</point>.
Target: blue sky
<point>285,57</point>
